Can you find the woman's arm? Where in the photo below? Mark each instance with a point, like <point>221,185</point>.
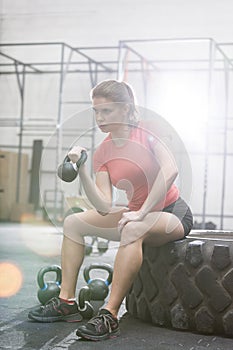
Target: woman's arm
<point>160,144</point>
<point>165,178</point>
<point>98,193</point>
<point>167,174</point>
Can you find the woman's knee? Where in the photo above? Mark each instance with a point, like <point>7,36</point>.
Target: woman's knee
<point>131,233</point>
<point>71,224</point>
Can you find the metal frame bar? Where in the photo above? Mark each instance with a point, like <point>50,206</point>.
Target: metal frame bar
<point>102,64</point>
<point>21,85</point>
<point>206,160</point>
<point>62,44</point>
<point>227,78</point>
<point>16,61</point>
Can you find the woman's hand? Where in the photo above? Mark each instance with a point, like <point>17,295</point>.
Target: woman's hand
<point>75,153</point>
<point>130,216</point>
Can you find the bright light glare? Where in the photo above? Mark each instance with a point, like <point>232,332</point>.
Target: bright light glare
<point>183,102</point>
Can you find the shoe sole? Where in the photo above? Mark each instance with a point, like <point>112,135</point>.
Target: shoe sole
<point>72,318</point>
<point>114,334</point>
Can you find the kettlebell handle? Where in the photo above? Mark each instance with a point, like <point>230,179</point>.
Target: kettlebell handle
<point>68,171</point>
<point>81,160</point>
<point>106,267</point>
<point>84,296</point>
<point>44,270</point>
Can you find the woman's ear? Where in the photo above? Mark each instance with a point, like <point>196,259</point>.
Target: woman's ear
<point>127,109</point>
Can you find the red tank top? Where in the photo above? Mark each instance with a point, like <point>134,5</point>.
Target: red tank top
<point>132,167</point>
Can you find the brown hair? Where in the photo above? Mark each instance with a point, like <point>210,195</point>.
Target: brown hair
<point>119,92</point>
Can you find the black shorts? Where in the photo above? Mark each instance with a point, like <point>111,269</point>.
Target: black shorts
<point>181,209</point>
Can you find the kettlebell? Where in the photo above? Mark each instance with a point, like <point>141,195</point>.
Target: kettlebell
<point>73,210</point>
<point>68,171</point>
<point>85,308</point>
<point>102,246</point>
<point>98,286</point>
<point>50,289</point>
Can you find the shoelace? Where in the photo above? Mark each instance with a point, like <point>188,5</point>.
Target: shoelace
<point>51,304</point>
<point>96,321</point>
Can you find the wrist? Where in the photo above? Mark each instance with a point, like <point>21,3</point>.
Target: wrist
<point>142,213</point>
<point>82,168</point>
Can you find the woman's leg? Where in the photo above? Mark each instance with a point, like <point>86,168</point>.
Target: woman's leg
<point>77,226</point>
<point>72,255</point>
<point>127,264</point>
<point>156,229</point>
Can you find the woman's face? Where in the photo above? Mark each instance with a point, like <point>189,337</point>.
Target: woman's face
<point>110,116</point>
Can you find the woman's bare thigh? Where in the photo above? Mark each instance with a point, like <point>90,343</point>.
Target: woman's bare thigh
<point>156,229</point>
<point>91,223</point>
<point>164,228</point>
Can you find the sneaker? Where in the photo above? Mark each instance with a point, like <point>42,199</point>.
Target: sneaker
<point>56,310</point>
<point>101,327</point>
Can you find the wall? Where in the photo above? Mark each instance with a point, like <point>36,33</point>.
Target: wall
<point>92,22</point>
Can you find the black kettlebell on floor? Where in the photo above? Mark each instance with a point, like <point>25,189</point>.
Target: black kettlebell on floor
<point>68,171</point>
<point>102,246</point>
<point>49,289</point>
<point>85,307</point>
<point>98,286</point>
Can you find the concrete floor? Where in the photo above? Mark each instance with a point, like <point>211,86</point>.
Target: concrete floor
<point>31,246</point>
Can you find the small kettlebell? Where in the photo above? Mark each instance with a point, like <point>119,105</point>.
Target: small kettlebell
<point>102,246</point>
<point>73,210</point>
<point>50,289</point>
<point>85,308</point>
<point>98,286</point>
<point>68,171</point>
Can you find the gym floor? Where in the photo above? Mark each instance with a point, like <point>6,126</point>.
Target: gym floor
<point>25,248</point>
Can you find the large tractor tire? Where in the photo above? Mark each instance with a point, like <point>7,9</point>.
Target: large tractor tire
<point>187,284</point>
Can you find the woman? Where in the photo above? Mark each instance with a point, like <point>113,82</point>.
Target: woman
<point>135,159</point>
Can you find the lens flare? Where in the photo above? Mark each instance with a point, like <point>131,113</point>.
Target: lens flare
<point>11,279</point>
